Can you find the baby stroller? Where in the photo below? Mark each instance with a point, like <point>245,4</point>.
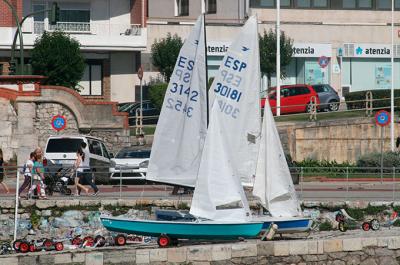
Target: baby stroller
<point>58,182</point>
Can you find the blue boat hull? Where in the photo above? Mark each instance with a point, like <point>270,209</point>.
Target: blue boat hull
<point>287,225</point>
<point>183,230</point>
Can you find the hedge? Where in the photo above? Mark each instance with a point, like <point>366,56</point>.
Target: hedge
<point>376,94</point>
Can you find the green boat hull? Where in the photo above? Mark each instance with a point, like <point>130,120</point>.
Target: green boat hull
<point>183,230</point>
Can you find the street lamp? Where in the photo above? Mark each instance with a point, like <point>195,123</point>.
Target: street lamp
<point>392,82</point>
<point>278,58</point>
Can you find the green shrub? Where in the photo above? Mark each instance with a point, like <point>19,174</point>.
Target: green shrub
<point>396,223</point>
<point>390,159</point>
<point>325,226</point>
<point>374,210</point>
<point>357,214</point>
<point>376,95</point>
<point>157,94</point>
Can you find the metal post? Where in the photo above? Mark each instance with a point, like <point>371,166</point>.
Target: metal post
<point>16,206</point>
<point>382,154</point>
<point>120,182</point>
<point>394,181</point>
<point>392,83</point>
<point>278,58</point>
<point>347,183</point>
<point>141,107</point>
<point>301,182</point>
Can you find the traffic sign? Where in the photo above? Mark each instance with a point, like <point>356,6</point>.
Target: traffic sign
<point>58,123</point>
<point>323,61</point>
<point>140,73</point>
<point>382,118</point>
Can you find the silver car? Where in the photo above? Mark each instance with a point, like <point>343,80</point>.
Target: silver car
<point>130,163</point>
<point>328,97</point>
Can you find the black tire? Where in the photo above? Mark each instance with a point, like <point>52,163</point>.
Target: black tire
<point>366,226</point>
<point>16,244</point>
<point>120,240</point>
<point>339,217</point>
<point>100,241</point>
<point>342,226</point>
<point>374,224</point>
<point>68,191</point>
<point>333,105</point>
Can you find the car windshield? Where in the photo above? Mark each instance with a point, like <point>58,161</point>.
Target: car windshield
<point>133,154</point>
<point>319,89</point>
<point>63,145</point>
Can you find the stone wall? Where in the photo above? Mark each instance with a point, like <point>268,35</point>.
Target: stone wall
<point>8,126</point>
<point>340,140</point>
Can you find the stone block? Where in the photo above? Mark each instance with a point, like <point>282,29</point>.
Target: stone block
<point>142,256</point>
<point>244,250</point>
<point>89,203</point>
<point>352,244</point>
<point>221,252</point>
<point>298,247</point>
<point>26,260</point>
<point>8,204</point>
<point>382,241</point>
<point>394,243</point>
<point>120,257</point>
<point>312,247</point>
<point>281,248</point>
<point>94,258</point>
<point>67,203</point>
<point>127,203</point>
<point>158,254</point>
<point>369,241</point>
<point>46,213</point>
<point>8,260</point>
<point>177,254</point>
<point>62,258</point>
<point>43,259</point>
<point>109,202</point>
<point>45,204</point>
<point>333,245</point>
<point>27,203</point>
<point>199,253</point>
<point>265,248</point>
<point>78,257</point>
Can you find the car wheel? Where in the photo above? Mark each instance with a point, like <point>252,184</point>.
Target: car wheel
<point>333,105</point>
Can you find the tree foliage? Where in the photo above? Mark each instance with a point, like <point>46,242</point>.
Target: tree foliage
<point>58,56</point>
<point>165,53</point>
<point>157,94</point>
<point>268,53</point>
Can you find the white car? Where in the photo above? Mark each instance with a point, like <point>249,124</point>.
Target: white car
<point>130,163</point>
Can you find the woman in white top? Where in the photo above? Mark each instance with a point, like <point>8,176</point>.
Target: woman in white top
<point>80,158</point>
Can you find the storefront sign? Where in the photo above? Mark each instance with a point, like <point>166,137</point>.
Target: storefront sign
<point>219,48</point>
<point>371,50</point>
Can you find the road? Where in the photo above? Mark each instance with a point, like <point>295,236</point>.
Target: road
<point>309,191</point>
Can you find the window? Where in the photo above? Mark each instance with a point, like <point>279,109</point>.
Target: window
<point>303,3</point>
<point>74,16</point>
<point>383,4</point>
<point>37,8</point>
<point>267,3</point>
<point>211,6</point>
<point>94,148</point>
<point>91,82</point>
<point>353,4</point>
<point>63,145</point>
<point>182,8</point>
<point>365,4</point>
<point>349,4</point>
<point>320,3</point>
<point>105,152</point>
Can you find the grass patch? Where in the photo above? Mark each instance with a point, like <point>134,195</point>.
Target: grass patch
<point>325,226</point>
<point>374,210</point>
<point>183,206</point>
<point>148,130</point>
<point>396,223</point>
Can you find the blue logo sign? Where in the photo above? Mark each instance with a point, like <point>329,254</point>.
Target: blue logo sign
<point>359,50</point>
<point>58,123</point>
<point>323,61</point>
<point>382,118</point>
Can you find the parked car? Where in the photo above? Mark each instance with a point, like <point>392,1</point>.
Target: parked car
<point>294,99</point>
<point>60,152</point>
<point>130,163</point>
<point>328,97</point>
<point>150,112</point>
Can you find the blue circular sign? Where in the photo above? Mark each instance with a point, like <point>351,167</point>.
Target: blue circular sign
<point>382,118</point>
<point>323,61</point>
<point>59,123</point>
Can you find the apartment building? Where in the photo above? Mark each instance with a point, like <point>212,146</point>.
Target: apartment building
<point>112,34</point>
<point>354,36</point>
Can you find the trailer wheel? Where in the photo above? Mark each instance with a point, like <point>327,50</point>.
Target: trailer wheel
<point>342,226</point>
<point>120,240</point>
<point>59,246</point>
<point>32,248</point>
<point>24,247</point>
<point>339,217</point>
<point>47,244</point>
<point>16,244</point>
<point>163,241</point>
<point>100,241</point>
<point>366,226</point>
<point>374,224</point>
<point>76,241</point>
<point>89,241</point>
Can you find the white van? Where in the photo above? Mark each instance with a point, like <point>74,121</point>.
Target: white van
<point>60,152</point>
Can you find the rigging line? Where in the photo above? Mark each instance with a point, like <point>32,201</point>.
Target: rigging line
<point>206,65</point>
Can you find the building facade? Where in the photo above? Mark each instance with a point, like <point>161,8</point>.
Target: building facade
<point>112,34</point>
<point>346,43</point>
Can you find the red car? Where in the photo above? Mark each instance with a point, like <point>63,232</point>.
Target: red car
<point>294,99</point>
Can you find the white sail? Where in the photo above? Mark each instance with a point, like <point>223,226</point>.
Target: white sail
<point>230,151</point>
<point>182,125</point>
<point>273,183</point>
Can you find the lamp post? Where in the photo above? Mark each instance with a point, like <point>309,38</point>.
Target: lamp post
<point>278,58</point>
<point>140,76</point>
<point>392,83</point>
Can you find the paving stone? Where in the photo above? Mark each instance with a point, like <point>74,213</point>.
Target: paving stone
<point>67,203</point>
<point>62,258</point>
<point>120,257</point>
<point>388,260</point>
<point>352,244</point>
<point>9,260</point>
<point>94,258</point>
<point>78,257</point>
<point>353,260</point>
<point>198,253</point>
<point>43,259</point>
<point>27,203</point>
<point>281,249</point>
<point>142,256</point>
<point>369,261</point>
<point>158,255</point>
<point>221,252</point>
<point>265,248</point>
<point>312,247</point>
<point>45,204</point>
<point>298,247</point>
<point>382,241</point>
<point>333,245</point>
<point>394,243</point>
<point>383,252</point>
<point>177,254</point>
<point>89,202</point>
<point>244,250</point>
<point>369,241</point>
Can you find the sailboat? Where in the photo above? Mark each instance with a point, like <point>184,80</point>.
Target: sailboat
<point>219,204</point>
<point>273,183</point>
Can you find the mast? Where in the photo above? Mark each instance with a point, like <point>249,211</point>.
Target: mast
<point>206,65</point>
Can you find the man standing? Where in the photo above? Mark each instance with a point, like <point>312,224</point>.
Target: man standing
<point>85,165</point>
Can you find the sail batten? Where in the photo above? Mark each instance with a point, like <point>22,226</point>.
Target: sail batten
<point>229,157</point>
<point>182,125</point>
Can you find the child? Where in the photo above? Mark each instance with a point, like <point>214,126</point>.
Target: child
<point>27,173</point>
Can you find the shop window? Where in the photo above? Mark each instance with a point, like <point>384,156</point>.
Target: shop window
<point>383,4</point>
<point>365,4</point>
<point>41,15</point>
<point>211,6</point>
<point>320,3</point>
<point>350,4</point>
<point>357,4</point>
<point>269,3</point>
<point>397,4</point>
<point>182,8</point>
<point>91,83</point>
<point>303,3</point>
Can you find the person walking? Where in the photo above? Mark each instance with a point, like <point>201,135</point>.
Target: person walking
<point>38,175</point>
<point>27,171</point>
<point>87,176</point>
<point>80,157</point>
<point>2,173</point>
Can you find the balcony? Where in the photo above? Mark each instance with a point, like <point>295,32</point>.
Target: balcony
<point>92,35</point>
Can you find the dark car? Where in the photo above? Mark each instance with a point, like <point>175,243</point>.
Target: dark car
<point>328,97</point>
<point>150,112</point>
